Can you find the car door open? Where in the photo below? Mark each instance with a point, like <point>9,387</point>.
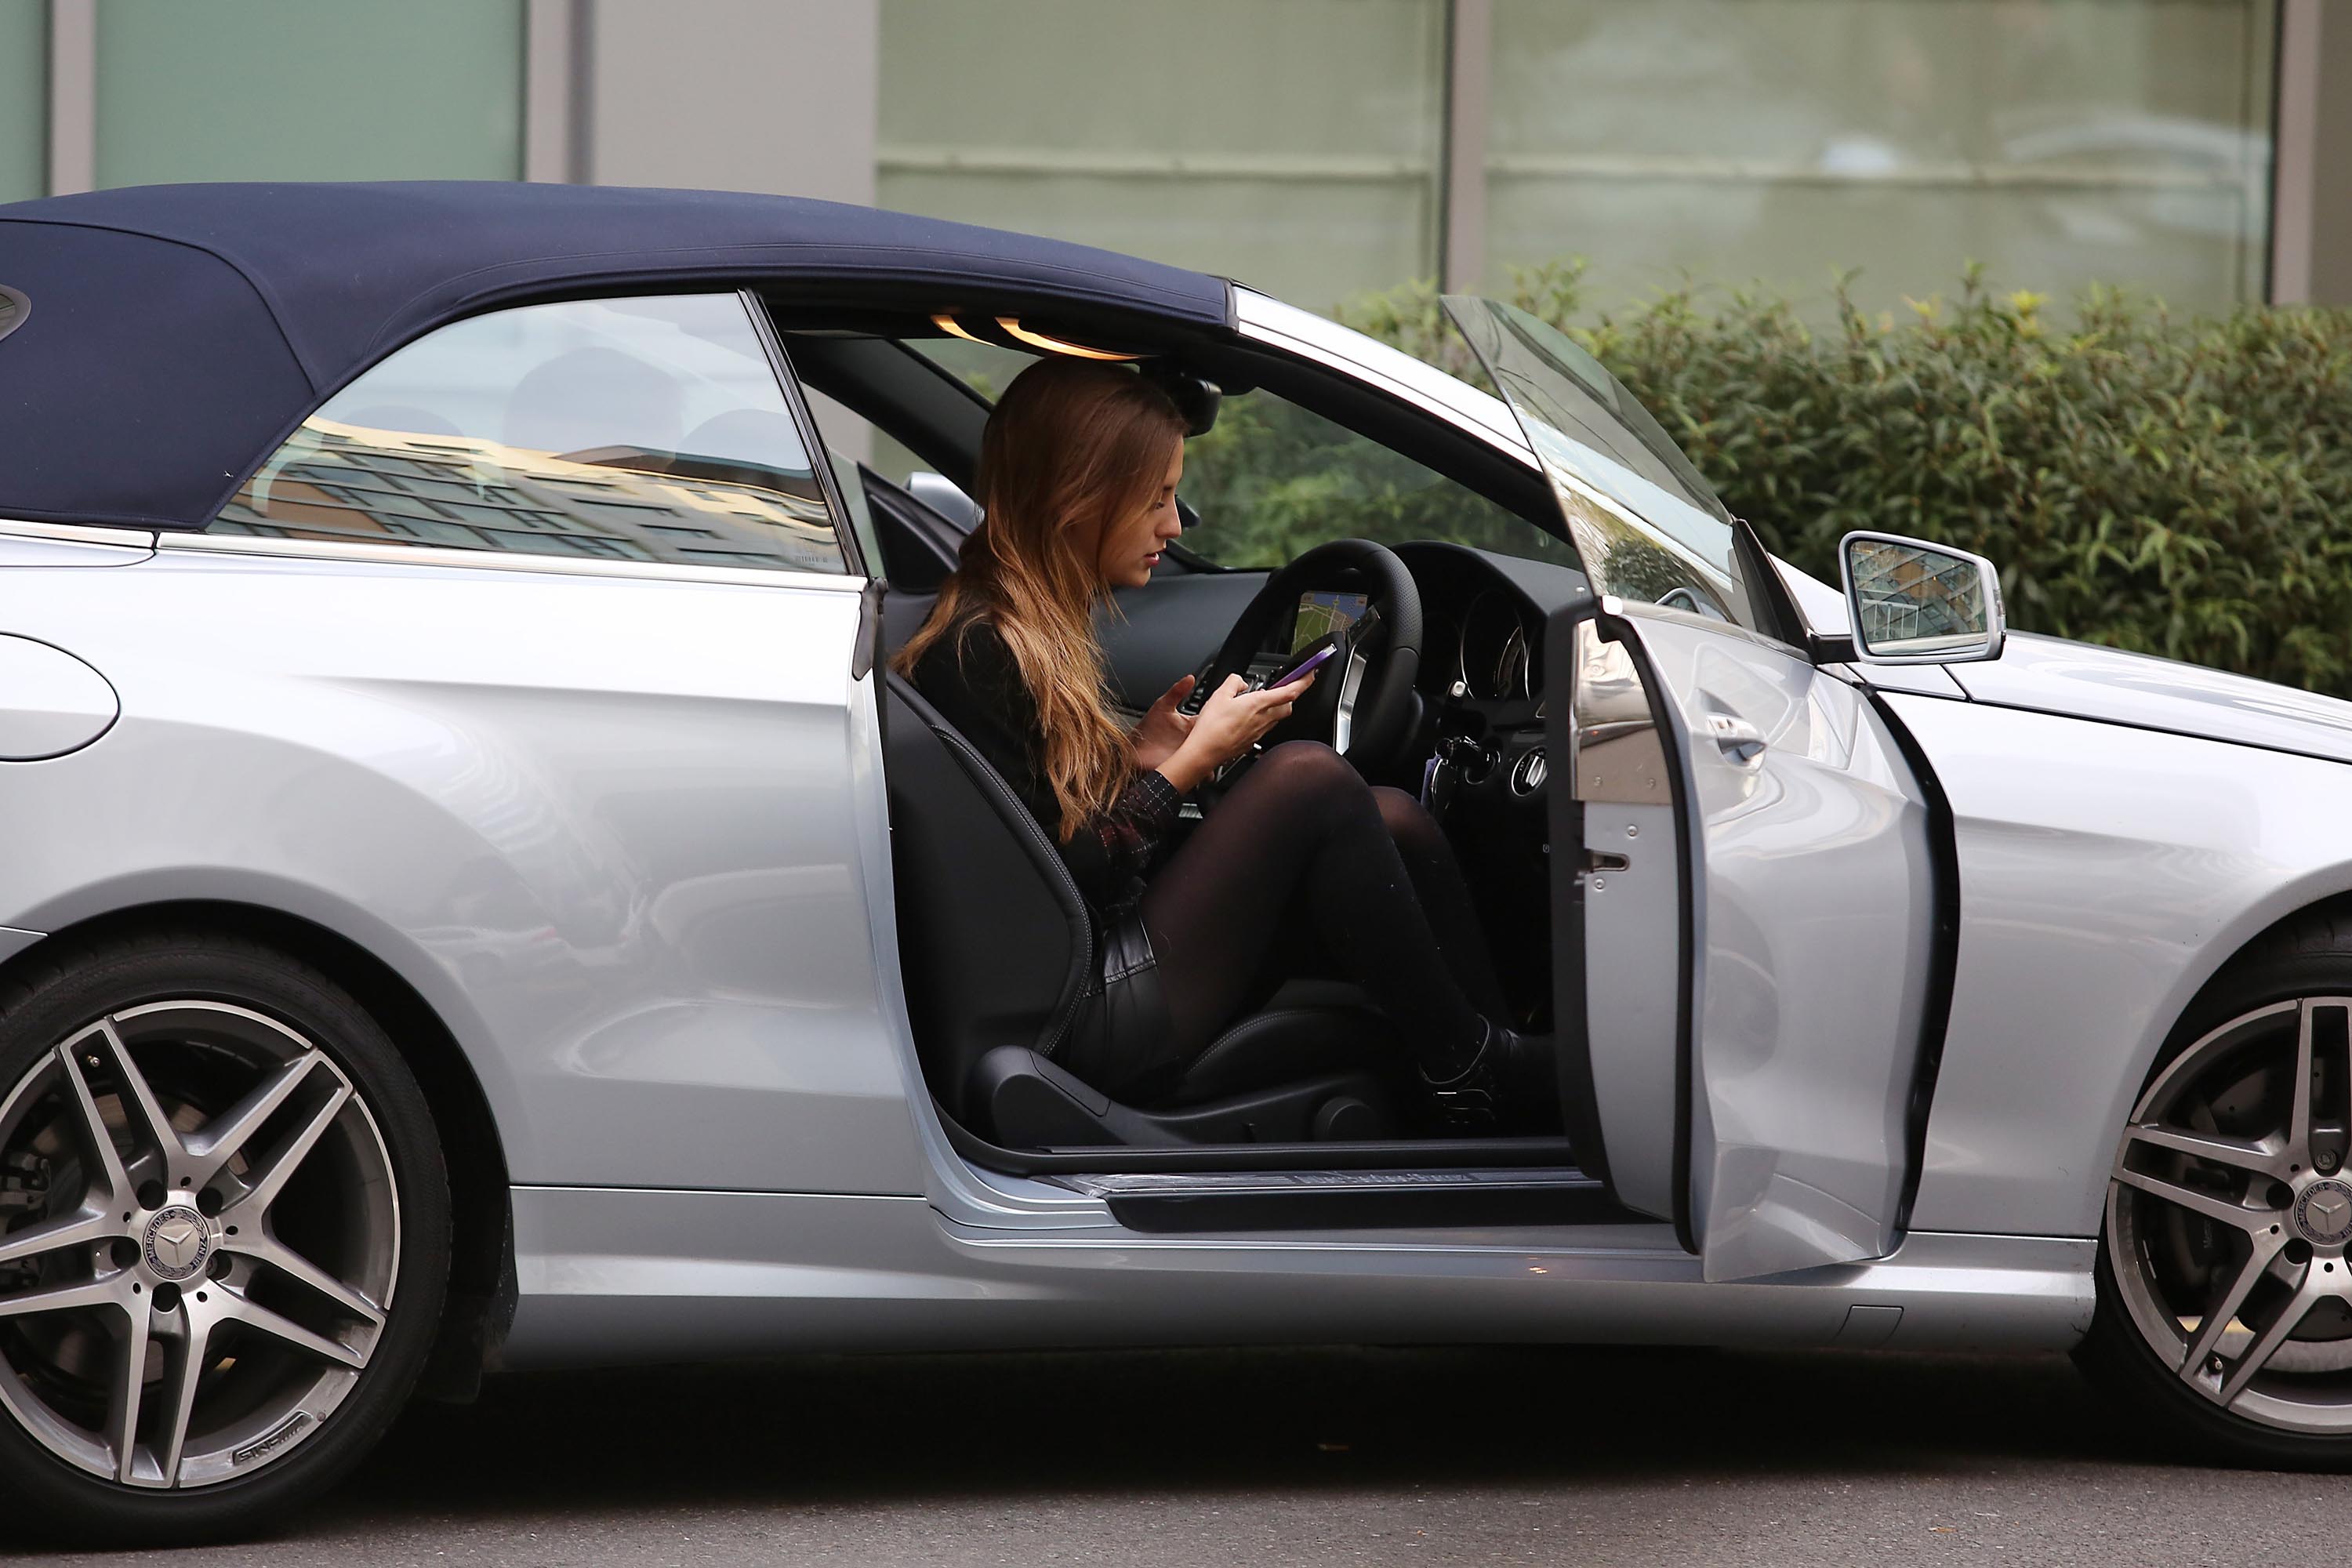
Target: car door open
<point>1742,881</point>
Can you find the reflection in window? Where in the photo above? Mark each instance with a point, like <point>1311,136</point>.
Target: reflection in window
<point>1297,146</point>
<point>614,430</point>
<point>1914,599</point>
<point>2061,141</point>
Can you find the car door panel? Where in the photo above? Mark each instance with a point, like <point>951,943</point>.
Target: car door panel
<point>1810,924</point>
<point>1801,947</point>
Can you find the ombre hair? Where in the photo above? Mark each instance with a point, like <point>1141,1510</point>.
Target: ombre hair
<point>1072,448</point>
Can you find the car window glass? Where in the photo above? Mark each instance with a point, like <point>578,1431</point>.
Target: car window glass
<point>634,429</point>
<point>1274,479</point>
<point>1647,526</point>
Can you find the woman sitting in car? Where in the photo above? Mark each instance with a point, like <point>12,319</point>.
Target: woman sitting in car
<point>1300,863</point>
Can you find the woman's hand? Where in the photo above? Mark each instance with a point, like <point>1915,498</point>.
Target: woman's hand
<point>1233,720</point>
<point>1164,727</point>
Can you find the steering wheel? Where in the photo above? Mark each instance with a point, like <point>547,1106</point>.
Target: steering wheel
<point>1367,719</point>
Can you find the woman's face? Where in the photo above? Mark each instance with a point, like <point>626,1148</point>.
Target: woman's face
<point>1131,544</point>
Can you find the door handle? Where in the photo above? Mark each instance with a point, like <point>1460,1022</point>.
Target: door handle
<point>1735,737</point>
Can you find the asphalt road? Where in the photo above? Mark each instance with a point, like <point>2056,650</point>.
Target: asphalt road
<point>1300,1457</point>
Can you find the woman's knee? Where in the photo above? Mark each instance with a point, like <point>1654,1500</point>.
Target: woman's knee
<point>1407,820</point>
<point>1309,765</point>
<point>1308,783</point>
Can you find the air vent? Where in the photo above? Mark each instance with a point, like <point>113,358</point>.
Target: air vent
<point>13,308</point>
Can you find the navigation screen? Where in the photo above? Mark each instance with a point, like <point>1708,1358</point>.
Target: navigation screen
<point>1320,613</point>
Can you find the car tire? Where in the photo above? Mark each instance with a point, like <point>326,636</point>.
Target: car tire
<point>2302,969</point>
<point>287,1350</point>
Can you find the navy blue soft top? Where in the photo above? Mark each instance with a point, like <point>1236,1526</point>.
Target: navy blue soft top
<point>177,333</point>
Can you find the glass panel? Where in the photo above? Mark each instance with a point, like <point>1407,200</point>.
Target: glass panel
<point>1645,524</point>
<point>1295,145</point>
<point>293,90</point>
<point>646,429</point>
<point>2061,141</point>
<point>24,99</point>
<point>1916,600</point>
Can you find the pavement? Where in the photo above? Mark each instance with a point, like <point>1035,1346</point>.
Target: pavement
<point>1317,1456</point>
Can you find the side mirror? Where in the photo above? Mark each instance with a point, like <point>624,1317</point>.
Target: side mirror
<point>1916,602</point>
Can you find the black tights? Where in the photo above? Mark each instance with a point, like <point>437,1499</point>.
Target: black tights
<point>1302,868</point>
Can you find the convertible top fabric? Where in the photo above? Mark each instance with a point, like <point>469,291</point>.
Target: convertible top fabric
<point>178,333</point>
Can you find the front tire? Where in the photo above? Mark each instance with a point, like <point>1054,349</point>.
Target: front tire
<point>2225,1261</point>
<point>223,1236</point>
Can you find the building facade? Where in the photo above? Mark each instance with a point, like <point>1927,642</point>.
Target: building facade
<point>2198,149</point>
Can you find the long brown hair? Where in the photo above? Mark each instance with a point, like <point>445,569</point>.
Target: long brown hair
<point>1072,447</point>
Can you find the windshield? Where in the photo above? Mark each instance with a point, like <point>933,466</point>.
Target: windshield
<point>1648,526</point>
<point>1274,479</point>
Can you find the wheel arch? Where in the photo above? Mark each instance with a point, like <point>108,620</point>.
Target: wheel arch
<point>2330,911</point>
<point>481,1290</point>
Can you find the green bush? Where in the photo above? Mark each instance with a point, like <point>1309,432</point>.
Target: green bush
<point>2177,487</point>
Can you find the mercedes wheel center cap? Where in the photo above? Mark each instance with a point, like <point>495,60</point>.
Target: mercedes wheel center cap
<point>2323,1213</point>
<point>178,1240</point>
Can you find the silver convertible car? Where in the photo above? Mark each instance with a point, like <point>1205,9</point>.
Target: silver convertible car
<point>472,895</point>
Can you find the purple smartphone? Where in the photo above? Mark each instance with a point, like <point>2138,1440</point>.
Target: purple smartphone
<point>1306,666</point>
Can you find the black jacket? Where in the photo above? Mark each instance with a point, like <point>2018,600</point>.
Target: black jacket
<point>969,676</point>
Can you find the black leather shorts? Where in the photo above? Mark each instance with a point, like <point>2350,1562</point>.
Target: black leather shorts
<point>1118,1040</point>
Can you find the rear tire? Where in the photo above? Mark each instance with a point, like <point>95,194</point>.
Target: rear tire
<point>261,1236</point>
<point>2228,1216</point>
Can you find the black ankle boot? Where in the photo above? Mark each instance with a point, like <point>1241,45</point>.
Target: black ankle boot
<point>1508,1085</point>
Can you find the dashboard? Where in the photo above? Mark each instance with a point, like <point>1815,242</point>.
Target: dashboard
<point>1482,667</point>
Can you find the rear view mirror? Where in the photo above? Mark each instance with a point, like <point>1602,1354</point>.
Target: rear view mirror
<point>1916,602</point>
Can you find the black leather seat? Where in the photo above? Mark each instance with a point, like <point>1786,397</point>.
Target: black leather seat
<point>996,947</point>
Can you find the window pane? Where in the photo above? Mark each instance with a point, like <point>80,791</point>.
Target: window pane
<point>24,99</point>
<point>293,90</point>
<point>2061,141</point>
<point>1646,526</point>
<point>1295,146</point>
<point>645,429</point>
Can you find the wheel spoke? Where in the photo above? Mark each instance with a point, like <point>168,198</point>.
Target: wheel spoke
<point>226,1136</point>
<point>268,1250</point>
<point>265,1184</point>
<point>2238,1154</point>
<point>99,1142</point>
<point>183,1368</point>
<point>2266,1343</point>
<point>62,1298</point>
<point>263,1320</point>
<point>77,1229</point>
<point>138,1099</point>
<point>122,1399</point>
<point>2206,1204</point>
<point>2225,1310</point>
<point>2299,1123</point>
